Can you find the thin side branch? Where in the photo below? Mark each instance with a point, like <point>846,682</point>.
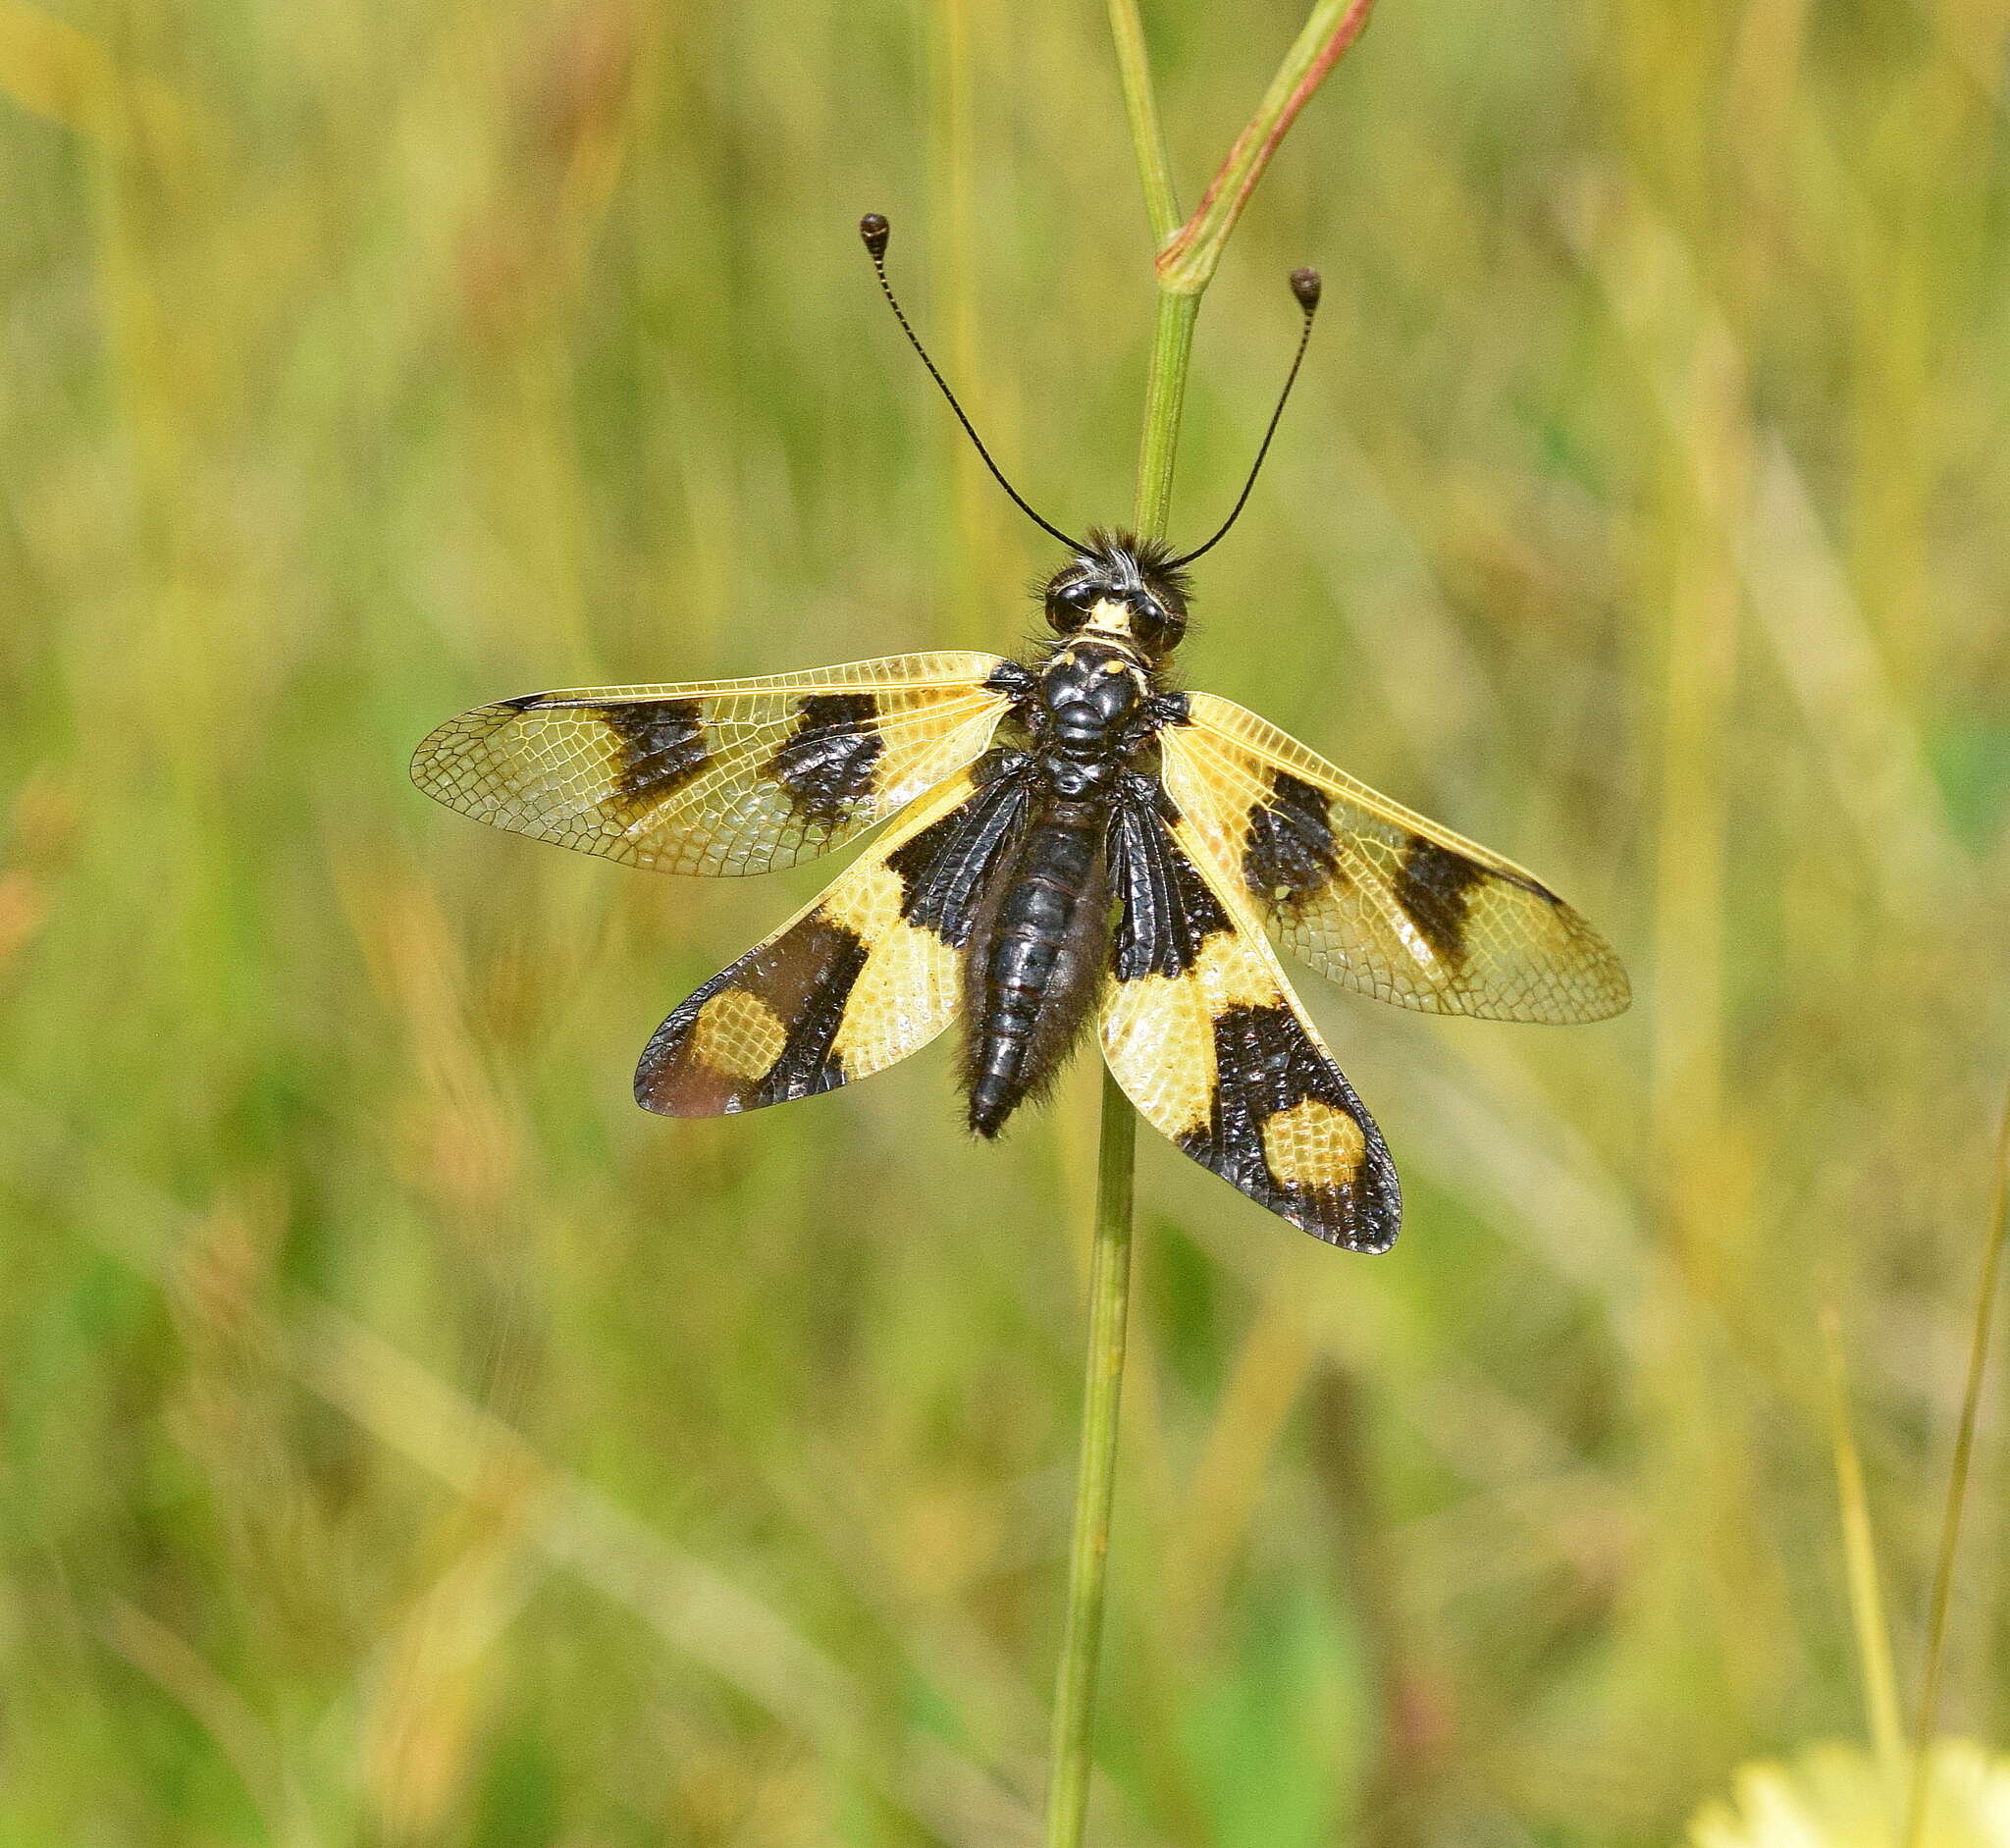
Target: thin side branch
<point>1185,266</point>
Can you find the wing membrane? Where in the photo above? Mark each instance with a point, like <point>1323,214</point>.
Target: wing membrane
<point>867,974</point>
<point>1371,894</point>
<point>721,777</point>
<point>1203,1034</point>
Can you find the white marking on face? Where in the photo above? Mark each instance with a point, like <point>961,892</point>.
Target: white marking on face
<point>1110,618</point>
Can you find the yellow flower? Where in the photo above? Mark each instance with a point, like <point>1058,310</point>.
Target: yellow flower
<point>1834,1796</point>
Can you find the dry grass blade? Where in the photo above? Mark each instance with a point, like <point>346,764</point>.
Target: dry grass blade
<point>1866,1598</point>
<point>1957,1490</point>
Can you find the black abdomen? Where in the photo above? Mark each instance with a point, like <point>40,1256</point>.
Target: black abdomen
<point>1035,961</point>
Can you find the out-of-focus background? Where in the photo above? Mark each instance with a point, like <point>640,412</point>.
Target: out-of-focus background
<point>407,1441</point>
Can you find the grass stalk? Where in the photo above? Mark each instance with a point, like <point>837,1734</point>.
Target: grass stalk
<point>1865,1597</point>
<point>1957,1490</point>
<point>1089,1551</point>
<point>1165,397</point>
<point>1141,109</point>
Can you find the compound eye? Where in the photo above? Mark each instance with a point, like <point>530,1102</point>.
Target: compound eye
<point>1154,627</point>
<point>1068,606</point>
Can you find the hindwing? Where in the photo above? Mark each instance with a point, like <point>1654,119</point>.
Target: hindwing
<point>867,974</point>
<point>1204,1035</point>
<point>1371,894</point>
<point>719,777</point>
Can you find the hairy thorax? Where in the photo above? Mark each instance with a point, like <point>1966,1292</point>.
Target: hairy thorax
<point>1093,694</point>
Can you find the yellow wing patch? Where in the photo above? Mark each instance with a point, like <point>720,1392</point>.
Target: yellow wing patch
<point>721,777</point>
<point>739,1035</point>
<point>1307,1144</point>
<point>1158,1040</point>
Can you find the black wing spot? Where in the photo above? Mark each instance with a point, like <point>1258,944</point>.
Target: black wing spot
<point>1434,885</point>
<point>946,871</point>
<point>807,1065</point>
<point>1165,910</point>
<point>1267,1064</point>
<point>662,745</point>
<point>805,978</point>
<point>1288,851</point>
<point>827,762</point>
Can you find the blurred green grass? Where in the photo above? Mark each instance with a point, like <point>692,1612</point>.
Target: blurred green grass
<point>406,1441</point>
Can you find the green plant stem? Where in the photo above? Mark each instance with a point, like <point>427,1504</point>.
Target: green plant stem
<point>1109,1294</point>
<point>1088,1552</point>
<point>1141,107</point>
<point>1957,1489</point>
<point>1165,397</point>
<point>1172,339</point>
<point>1320,46</point>
<point>1109,1267</point>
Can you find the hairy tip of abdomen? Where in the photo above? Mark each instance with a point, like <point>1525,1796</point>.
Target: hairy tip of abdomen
<point>990,1102</point>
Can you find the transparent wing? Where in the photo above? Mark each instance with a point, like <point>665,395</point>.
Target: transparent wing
<point>1203,1034</point>
<point>721,777</point>
<point>1372,895</point>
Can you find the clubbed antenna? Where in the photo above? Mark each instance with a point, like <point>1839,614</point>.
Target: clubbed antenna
<point>1305,286</point>
<point>875,232</point>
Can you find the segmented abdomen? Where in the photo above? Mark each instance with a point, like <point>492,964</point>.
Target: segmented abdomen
<point>1035,967</point>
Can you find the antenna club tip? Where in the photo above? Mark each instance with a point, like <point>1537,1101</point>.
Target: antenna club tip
<point>1306,286</point>
<point>876,230</point>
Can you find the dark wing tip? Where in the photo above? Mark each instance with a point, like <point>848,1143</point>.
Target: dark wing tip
<point>1364,1216</point>
<point>652,1069</point>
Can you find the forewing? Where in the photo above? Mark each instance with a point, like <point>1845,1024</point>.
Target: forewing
<point>868,973</point>
<point>1207,1040</point>
<point>719,777</point>
<point>1372,895</point>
